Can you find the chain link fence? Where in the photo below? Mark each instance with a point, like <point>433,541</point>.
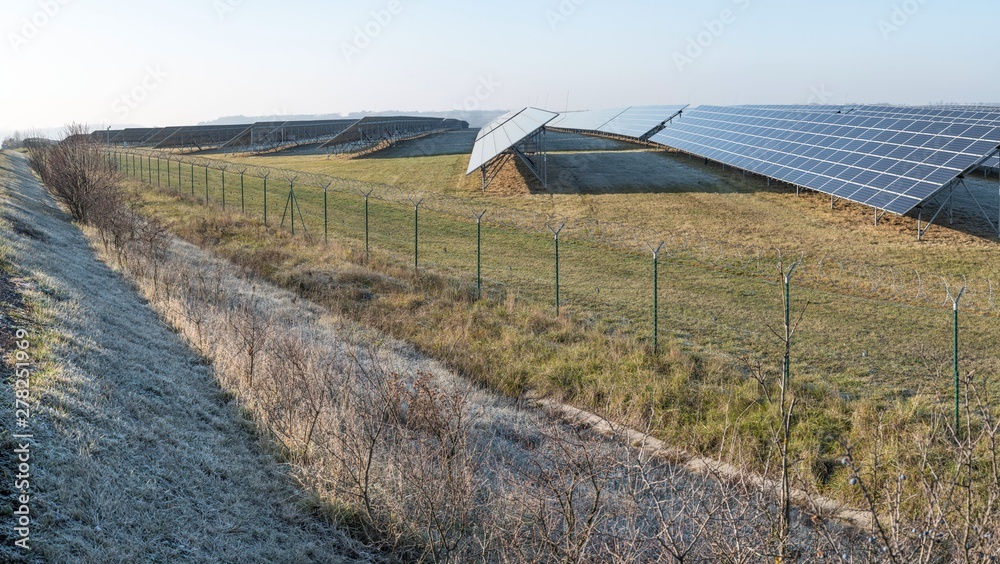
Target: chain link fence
<point>865,321</point>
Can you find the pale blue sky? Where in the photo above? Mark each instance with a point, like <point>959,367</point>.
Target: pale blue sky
<point>193,60</point>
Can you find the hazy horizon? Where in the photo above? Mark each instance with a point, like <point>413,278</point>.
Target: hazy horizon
<point>147,63</point>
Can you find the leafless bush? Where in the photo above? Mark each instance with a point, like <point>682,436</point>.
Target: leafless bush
<point>77,172</point>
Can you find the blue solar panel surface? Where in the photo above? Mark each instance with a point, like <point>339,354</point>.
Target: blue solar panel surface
<point>890,161</point>
<point>640,121</point>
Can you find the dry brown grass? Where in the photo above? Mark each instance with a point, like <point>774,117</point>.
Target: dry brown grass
<point>140,455</point>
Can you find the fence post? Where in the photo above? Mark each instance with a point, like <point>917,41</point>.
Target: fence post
<point>157,171</point>
<point>955,300</point>
<point>556,232</point>
<point>367,196</point>
<point>785,517</point>
<point>266,174</point>
<point>206,185</point>
<point>168,172</point>
<point>326,215</point>
<point>479,253</point>
<point>142,177</point>
<point>416,233</point>
<point>192,179</point>
<point>243,202</point>
<point>656,295</point>
<point>223,167</point>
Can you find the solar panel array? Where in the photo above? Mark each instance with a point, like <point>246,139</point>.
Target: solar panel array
<point>266,135</point>
<point>637,122</point>
<point>505,133</point>
<point>374,132</point>
<point>588,120</point>
<point>890,160</point>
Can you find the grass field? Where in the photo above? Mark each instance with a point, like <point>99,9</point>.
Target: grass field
<point>854,354</point>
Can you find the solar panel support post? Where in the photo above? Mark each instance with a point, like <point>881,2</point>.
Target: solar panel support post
<point>656,295</point>
<point>955,300</point>
<point>555,233</point>
<point>479,253</point>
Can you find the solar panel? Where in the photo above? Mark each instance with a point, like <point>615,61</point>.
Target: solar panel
<point>590,120</point>
<point>507,132</point>
<point>640,121</point>
<point>891,161</point>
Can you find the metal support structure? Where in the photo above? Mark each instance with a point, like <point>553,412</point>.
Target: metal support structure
<point>555,233</point>
<point>479,253</point>
<point>416,233</point>
<point>223,189</point>
<point>206,185</point>
<point>291,207</point>
<point>878,216</point>
<point>532,144</point>
<point>656,295</point>
<point>157,172</point>
<point>192,179</point>
<point>955,300</point>
<point>243,200</point>
<point>922,231</point>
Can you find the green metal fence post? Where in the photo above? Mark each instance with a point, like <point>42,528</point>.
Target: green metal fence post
<point>367,196</point>
<point>157,171</point>
<point>142,177</point>
<point>479,253</point>
<point>192,179</point>
<point>555,233</point>
<point>223,188</point>
<point>206,185</point>
<point>786,370</point>
<point>168,172</point>
<point>656,295</point>
<point>416,233</point>
<point>955,301</point>
<point>326,215</point>
<point>266,174</point>
<point>243,201</point>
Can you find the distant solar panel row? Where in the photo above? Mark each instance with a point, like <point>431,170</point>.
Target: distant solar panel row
<point>638,122</point>
<point>890,161</point>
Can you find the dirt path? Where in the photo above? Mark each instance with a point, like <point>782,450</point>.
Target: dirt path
<point>139,456</point>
